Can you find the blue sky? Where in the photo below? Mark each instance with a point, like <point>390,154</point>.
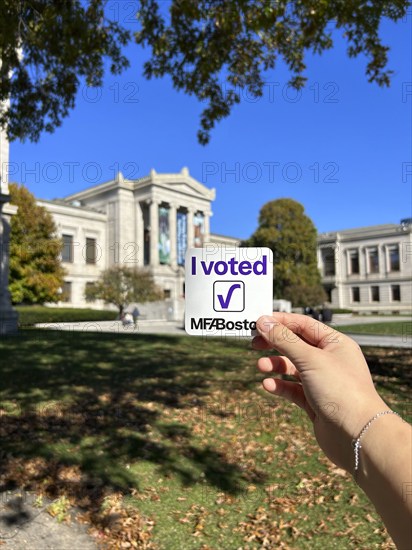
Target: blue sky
<point>341,148</point>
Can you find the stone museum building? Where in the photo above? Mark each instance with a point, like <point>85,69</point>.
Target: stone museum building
<point>148,222</point>
<point>368,270</point>
<point>151,221</point>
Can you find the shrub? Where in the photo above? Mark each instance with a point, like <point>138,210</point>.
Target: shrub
<point>30,315</point>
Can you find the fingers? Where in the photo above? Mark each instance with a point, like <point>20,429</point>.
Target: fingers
<point>278,364</point>
<point>292,391</point>
<point>286,339</point>
<point>310,330</point>
<point>260,343</point>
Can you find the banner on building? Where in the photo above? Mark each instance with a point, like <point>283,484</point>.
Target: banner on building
<point>199,229</point>
<point>181,236</point>
<point>164,235</point>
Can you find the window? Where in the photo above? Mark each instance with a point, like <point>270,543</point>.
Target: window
<point>67,252</point>
<point>395,293</point>
<point>167,293</point>
<point>91,251</point>
<point>375,293</point>
<point>355,294</point>
<point>373,260</point>
<point>66,295</point>
<point>328,257</point>
<point>353,261</point>
<point>393,252</point>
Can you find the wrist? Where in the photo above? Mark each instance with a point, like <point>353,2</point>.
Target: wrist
<point>360,415</point>
<point>383,432</point>
<point>385,471</point>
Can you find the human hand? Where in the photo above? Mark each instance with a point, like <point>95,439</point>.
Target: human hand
<point>333,383</point>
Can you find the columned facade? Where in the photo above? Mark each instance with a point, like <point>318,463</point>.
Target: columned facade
<point>149,223</point>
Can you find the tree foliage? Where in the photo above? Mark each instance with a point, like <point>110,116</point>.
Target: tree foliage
<point>46,49</point>
<point>205,42</point>
<point>36,274</point>
<point>291,235</point>
<point>121,286</point>
<point>200,44</point>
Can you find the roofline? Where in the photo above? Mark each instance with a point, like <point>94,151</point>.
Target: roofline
<point>153,177</point>
<point>100,187</point>
<point>372,230</point>
<point>225,236</point>
<point>81,211</point>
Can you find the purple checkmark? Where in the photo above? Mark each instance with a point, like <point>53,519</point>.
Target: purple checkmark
<point>224,302</point>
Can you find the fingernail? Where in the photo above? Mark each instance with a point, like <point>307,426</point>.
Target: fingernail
<point>266,323</point>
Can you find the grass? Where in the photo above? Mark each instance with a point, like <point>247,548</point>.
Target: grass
<point>394,328</point>
<point>30,315</point>
<point>168,442</point>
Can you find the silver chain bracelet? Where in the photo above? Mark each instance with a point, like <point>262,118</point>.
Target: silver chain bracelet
<point>356,443</point>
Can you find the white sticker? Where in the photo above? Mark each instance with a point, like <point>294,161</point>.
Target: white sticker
<point>227,289</point>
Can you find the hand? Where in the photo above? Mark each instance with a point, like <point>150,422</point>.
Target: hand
<point>333,383</point>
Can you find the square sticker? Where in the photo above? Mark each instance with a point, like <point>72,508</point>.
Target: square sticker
<point>227,289</point>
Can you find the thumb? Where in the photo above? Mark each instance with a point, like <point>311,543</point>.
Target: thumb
<point>286,339</point>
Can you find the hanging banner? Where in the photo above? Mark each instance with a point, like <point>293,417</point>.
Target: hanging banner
<point>164,235</point>
<point>199,229</point>
<point>181,236</point>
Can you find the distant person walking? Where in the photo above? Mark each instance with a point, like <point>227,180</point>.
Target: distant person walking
<point>136,315</point>
<point>326,314</point>
<point>127,319</point>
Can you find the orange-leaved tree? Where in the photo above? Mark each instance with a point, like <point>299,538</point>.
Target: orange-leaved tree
<point>36,273</point>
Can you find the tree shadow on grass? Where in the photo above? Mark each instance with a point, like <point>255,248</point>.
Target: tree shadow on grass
<point>78,408</point>
<point>391,369</point>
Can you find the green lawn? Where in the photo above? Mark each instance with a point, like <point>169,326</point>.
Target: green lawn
<point>170,443</point>
<point>394,328</point>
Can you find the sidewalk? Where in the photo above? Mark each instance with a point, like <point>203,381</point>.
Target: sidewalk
<point>25,526</point>
<point>343,319</point>
<point>382,341</point>
<point>377,340</point>
<point>116,327</point>
<point>173,327</point>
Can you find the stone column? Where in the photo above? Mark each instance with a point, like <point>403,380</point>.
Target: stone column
<point>173,234</point>
<point>154,233</point>
<point>207,226</point>
<point>382,260</point>
<point>320,260</point>
<point>363,262</point>
<point>8,317</point>
<point>340,274</point>
<point>139,235</point>
<point>190,228</point>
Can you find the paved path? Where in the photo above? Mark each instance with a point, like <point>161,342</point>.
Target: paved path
<point>143,327</point>
<point>404,341</point>
<point>172,327</point>
<point>366,319</point>
<point>382,341</point>
<point>24,526</point>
